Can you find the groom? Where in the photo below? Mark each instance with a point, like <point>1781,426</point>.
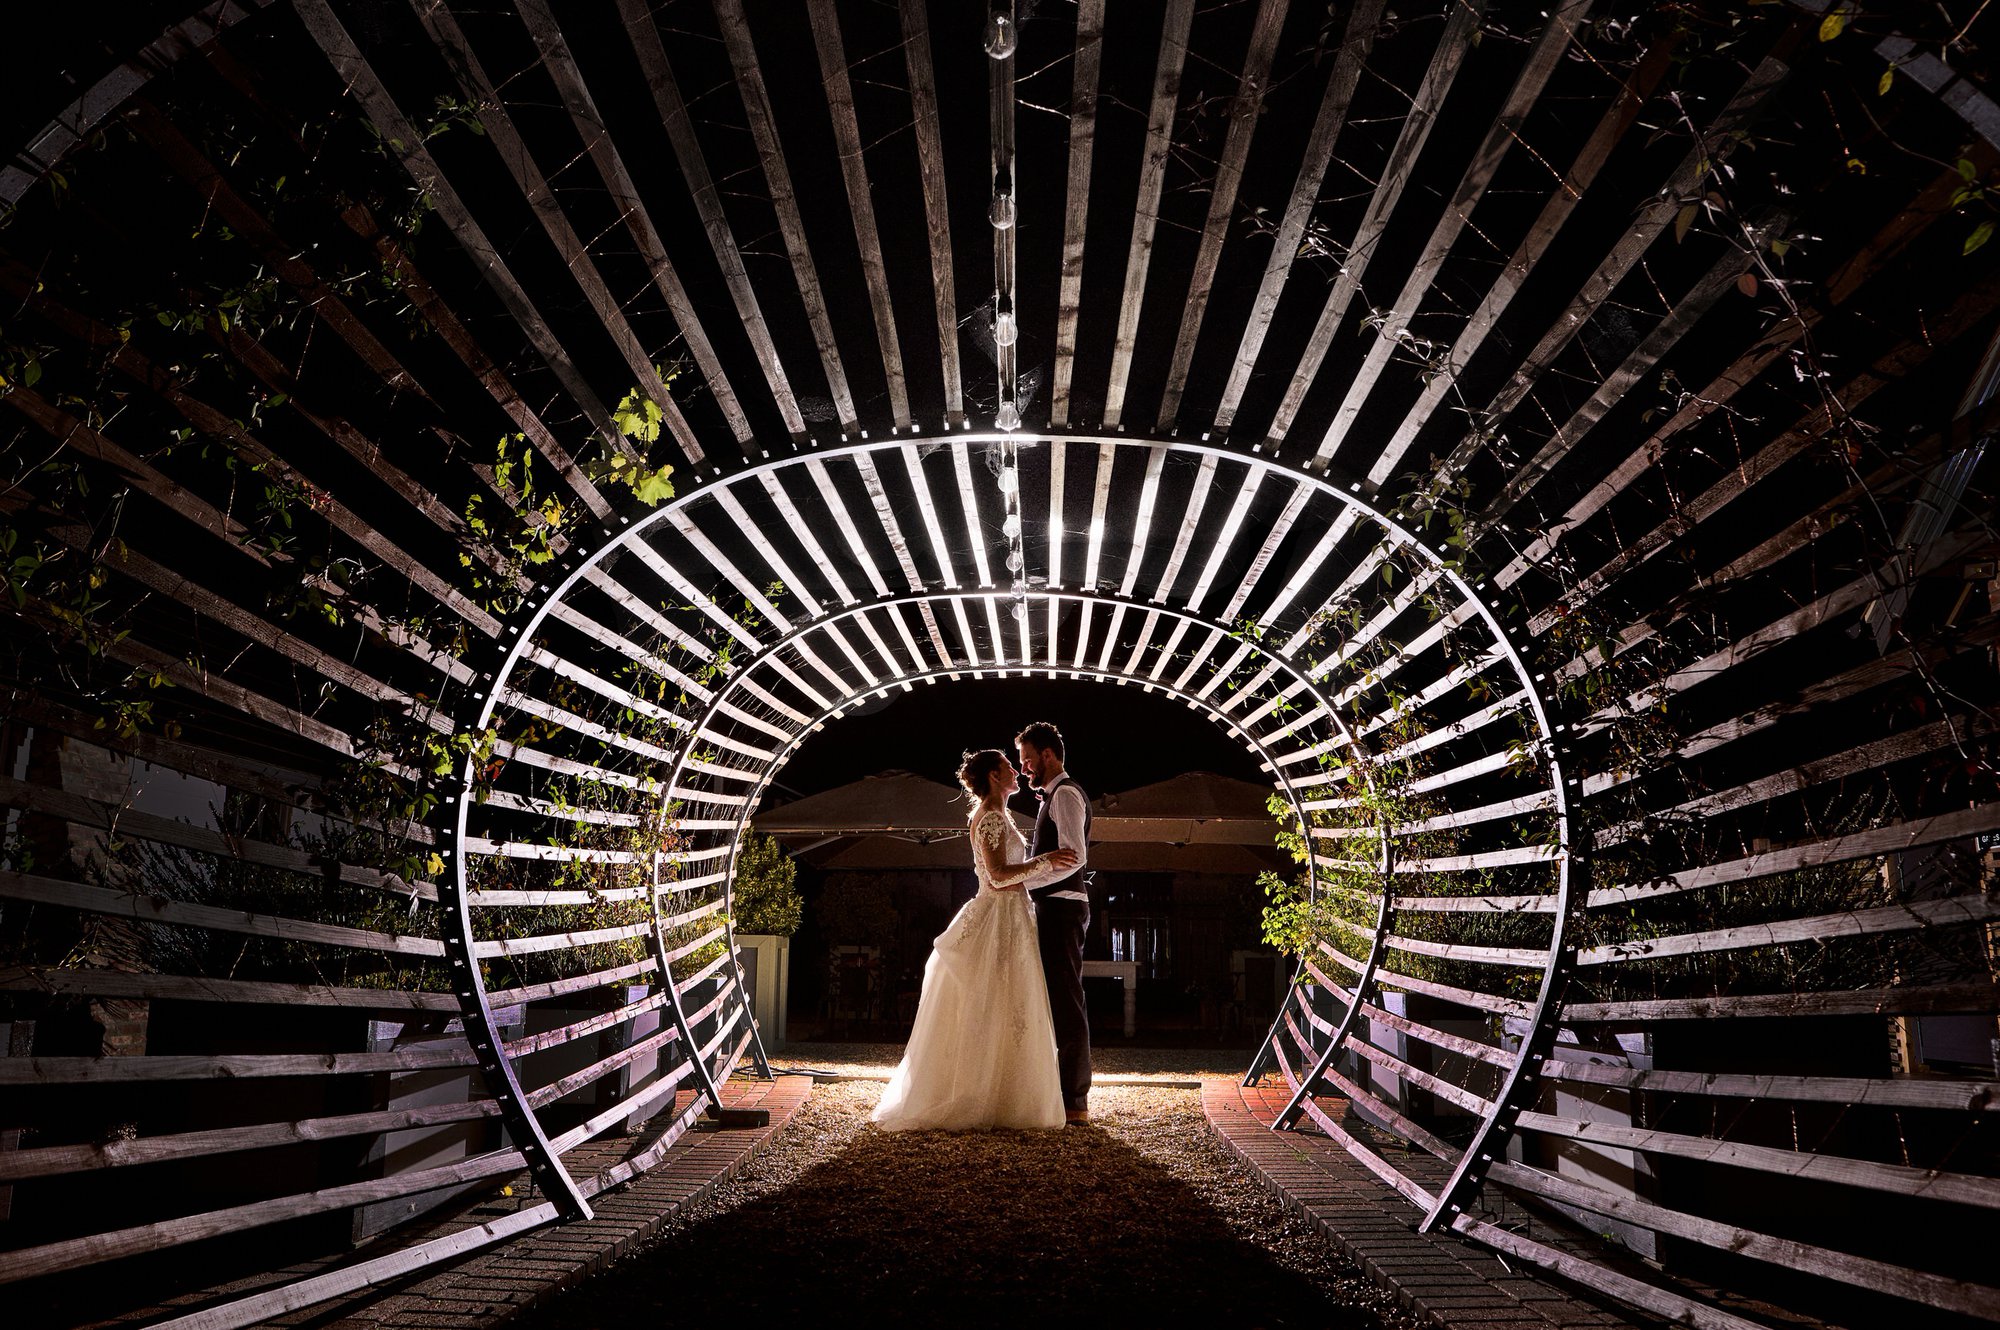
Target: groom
<point>1062,907</point>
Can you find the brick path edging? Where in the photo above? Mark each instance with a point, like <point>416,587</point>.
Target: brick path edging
<point>1439,1278</point>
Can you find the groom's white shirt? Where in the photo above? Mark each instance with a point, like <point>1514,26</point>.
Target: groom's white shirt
<point>1066,807</point>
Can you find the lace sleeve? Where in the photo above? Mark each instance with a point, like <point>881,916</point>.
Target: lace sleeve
<point>989,841</point>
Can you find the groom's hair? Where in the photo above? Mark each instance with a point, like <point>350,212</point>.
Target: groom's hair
<point>1043,736</point>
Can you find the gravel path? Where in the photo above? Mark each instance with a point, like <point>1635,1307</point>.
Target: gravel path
<point>1139,1218</point>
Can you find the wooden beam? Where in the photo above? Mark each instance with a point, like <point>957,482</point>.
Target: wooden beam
<point>1720,280</point>
<point>1966,312</point>
<point>221,199</point>
<point>1357,41</point>
<point>1146,214</point>
<point>860,199</point>
<point>1893,239</point>
<point>1717,143</point>
<point>380,108</point>
<point>437,20</point>
<point>652,54</point>
<point>396,263</point>
<point>937,215</point>
<point>784,199</point>
<point>1454,44</point>
<point>1543,57</point>
<point>1088,61</point>
<point>1569,192</point>
<point>1244,110</point>
<point>1892,839</point>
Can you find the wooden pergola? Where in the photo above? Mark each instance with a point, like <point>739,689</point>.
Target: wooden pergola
<point>1554,444</point>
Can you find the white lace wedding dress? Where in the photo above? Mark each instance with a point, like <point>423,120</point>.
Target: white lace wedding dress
<point>983,1051</point>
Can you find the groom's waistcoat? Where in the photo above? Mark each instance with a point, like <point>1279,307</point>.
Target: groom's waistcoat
<point>1046,839</point>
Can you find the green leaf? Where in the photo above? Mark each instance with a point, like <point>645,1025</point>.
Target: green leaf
<point>653,487</point>
<point>1832,25</point>
<point>1682,221</point>
<point>1968,171</point>
<point>1888,77</point>
<point>1980,235</point>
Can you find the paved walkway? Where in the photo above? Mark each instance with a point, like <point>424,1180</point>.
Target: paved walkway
<point>1437,1277</point>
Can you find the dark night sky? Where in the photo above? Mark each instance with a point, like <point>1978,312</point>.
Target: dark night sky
<point>1117,737</point>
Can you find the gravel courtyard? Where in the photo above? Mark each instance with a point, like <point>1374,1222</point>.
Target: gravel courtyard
<point>1139,1218</point>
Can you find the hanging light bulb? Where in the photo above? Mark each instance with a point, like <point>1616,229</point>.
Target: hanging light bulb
<point>1010,480</point>
<point>1011,525</point>
<point>1021,610</point>
<point>1001,213</point>
<point>1014,561</point>
<point>1000,35</point>
<point>1008,417</point>
<point>1005,331</point>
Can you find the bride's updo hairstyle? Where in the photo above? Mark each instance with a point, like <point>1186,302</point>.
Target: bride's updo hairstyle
<point>975,773</point>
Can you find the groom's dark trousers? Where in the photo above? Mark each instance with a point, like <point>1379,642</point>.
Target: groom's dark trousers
<point>1061,926</point>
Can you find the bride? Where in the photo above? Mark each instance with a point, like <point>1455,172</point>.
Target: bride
<point>983,1052</point>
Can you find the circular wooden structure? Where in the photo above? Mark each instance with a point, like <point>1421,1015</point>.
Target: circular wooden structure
<point>1553,444</point>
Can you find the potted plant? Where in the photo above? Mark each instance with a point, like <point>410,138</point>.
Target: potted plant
<point>765,909</point>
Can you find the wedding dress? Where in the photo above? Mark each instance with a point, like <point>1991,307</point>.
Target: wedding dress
<point>983,1051</point>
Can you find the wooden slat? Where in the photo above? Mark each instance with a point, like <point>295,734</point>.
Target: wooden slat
<point>160,910</point>
<point>1948,732</point>
<point>1569,192</point>
<point>1719,141</point>
<point>1894,1179</point>
<point>1614,387</point>
<point>507,997</point>
<point>1965,312</point>
<point>1244,111</point>
<point>1678,1308</point>
<point>542,201</point>
<point>185,160</point>
<point>784,199</point>
<point>1547,52</point>
<point>652,54</point>
<point>1454,44</point>
<point>376,102</point>
<point>260,1308</point>
<point>21,284</point>
<point>1766,350</point>
<point>149,1068</point>
<point>186,988</point>
<point>930,163</point>
<point>74,123</point>
<point>106,817</point>
<point>1087,59</point>
<point>1450,1043</point>
<point>75,435</point>
<point>1357,40</point>
<point>1146,214</point>
<point>51,1257</point>
<point>439,314</point>
<point>1815,928</point>
<point>1880,1276</point>
<point>55,1160</point>
<point>1901,1000</point>
<point>1938,1092</point>
<point>860,201</point>
<point>1890,839</point>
